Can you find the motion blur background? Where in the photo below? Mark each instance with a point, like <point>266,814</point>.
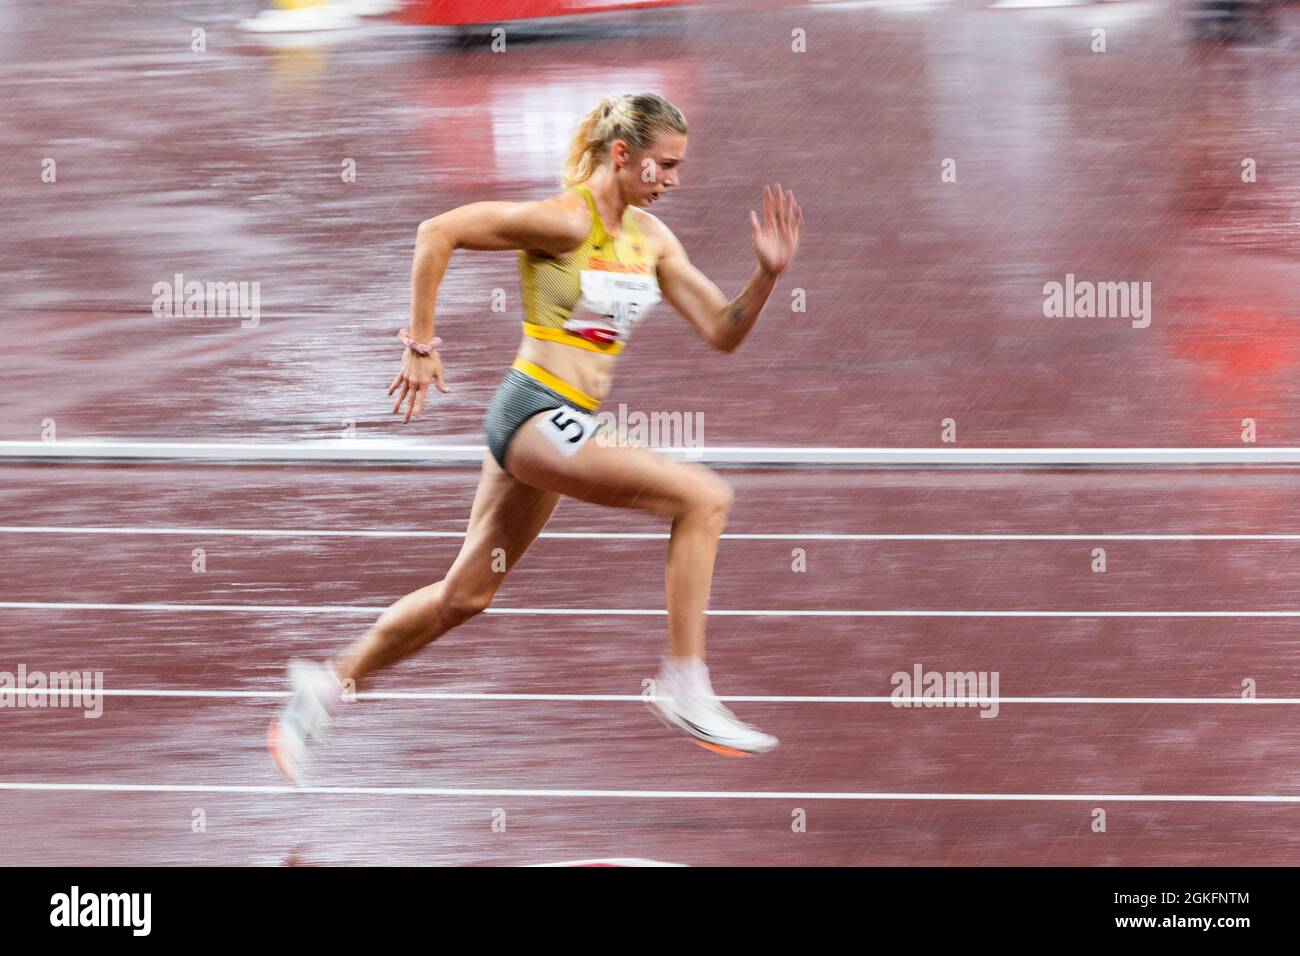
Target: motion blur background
<point>952,159</point>
<point>924,298</point>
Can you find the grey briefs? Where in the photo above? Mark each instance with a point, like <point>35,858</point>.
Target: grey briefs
<point>518,398</point>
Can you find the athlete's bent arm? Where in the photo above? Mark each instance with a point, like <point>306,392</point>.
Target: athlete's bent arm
<point>484,226</point>
<point>723,324</point>
<point>545,225</point>
<point>695,296</point>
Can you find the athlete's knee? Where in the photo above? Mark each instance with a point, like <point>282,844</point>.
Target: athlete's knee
<point>726,495</point>
<point>462,604</point>
<point>712,500</point>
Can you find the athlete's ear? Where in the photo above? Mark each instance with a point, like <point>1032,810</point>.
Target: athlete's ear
<point>620,153</point>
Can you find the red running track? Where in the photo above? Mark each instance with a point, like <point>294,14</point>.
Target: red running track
<point>924,298</point>
<point>924,302</point>
<point>1063,749</point>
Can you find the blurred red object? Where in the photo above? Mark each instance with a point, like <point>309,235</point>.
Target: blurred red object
<point>461,12</point>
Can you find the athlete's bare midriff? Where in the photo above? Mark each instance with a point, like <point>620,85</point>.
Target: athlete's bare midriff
<point>590,372</point>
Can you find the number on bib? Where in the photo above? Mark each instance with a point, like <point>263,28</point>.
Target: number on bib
<point>568,429</point>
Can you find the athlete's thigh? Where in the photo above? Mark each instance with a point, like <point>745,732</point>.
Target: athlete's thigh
<point>506,515</point>
<point>617,475</point>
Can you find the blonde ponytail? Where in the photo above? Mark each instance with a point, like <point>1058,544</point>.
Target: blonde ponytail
<point>633,117</point>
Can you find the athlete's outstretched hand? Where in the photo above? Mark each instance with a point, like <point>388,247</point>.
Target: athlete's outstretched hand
<point>777,237</point>
<point>414,378</point>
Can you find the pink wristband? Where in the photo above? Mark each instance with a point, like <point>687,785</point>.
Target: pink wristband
<point>419,348</point>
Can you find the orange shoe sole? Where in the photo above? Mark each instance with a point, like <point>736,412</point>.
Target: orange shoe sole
<point>719,749</point>
<point>716,748</point>
<point>273,748</point>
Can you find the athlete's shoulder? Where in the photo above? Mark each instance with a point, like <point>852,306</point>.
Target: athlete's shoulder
<point>566,217</point>
<point>660,236</point>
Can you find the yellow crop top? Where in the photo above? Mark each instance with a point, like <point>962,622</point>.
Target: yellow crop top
<point>593,297</point>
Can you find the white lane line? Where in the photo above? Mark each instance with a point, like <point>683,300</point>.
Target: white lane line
<point>395,452</point>
<point>628,536</point>
<point>627,612</point>
<point>41,787</point>
<point>7,692</point>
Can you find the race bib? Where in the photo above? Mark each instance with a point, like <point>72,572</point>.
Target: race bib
<point>611,304</point>
<point>568,429</point>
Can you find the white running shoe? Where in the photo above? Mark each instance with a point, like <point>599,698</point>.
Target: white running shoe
<point>694,709</point>
<point>316,694</point>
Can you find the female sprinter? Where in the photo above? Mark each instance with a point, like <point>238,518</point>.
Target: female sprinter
<point>592,262</point>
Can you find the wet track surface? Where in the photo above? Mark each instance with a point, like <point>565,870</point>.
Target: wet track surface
<point>924,298</point>
<point>924,301</point>
<point>1085,741</point>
